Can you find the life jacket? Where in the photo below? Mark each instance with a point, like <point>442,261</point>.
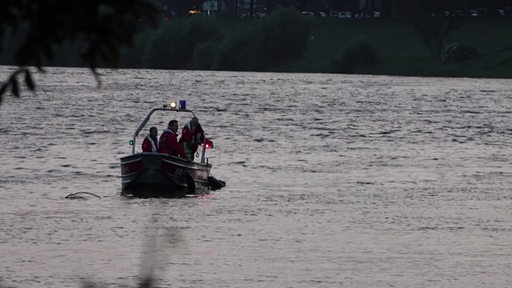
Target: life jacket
<point>169,144</point>
<point>190,140</point>
<point>150,141</point>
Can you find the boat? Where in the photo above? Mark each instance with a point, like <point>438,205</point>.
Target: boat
<point>148,174</point>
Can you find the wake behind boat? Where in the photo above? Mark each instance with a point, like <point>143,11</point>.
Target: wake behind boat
<point>149,174</point>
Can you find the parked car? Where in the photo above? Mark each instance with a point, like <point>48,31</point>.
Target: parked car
<point>344,14</point>
<point>473,13</point>
<point>260,15</point>
<point>307,13</point>
<point>254,15</point>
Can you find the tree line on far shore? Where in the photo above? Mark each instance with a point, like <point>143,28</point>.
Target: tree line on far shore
<point>201,43</point>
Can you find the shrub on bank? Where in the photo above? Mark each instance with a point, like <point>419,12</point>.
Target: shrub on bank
<point>355,55</point>
<point>275,40</point>
<point>284,37</point>
<point>459,52</point>
<point>133,57</point>
<point>204,55</point>
<point>506,62</point>
<point>172,46</point>
<point>235,53</point>
<point>164,47</point>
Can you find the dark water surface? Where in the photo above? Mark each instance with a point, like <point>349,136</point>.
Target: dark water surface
<point>333,181</point>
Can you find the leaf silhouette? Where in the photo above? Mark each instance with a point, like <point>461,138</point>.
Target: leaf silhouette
<point>28,80</point>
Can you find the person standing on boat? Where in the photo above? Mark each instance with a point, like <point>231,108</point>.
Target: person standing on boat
<point>150,143</point>
<point>169,141</point>
<point>191,136</point>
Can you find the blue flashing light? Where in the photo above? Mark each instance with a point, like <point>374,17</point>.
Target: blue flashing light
<point>183,104</point>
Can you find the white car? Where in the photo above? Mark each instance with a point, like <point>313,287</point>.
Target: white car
<point>259,15</point>
<point>344,14</point>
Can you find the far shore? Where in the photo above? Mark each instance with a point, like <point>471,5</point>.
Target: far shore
<point>401,51</point>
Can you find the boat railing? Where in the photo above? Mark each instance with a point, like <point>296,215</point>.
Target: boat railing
<point>146,120</point>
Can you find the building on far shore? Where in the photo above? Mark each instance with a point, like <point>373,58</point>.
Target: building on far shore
<point>323,8</point>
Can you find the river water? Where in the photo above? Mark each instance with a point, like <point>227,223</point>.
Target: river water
<point>332,181</point>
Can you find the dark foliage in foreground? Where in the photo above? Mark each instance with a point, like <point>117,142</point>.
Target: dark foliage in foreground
<point>39,28</point>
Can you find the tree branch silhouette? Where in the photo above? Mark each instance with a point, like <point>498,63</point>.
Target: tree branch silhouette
<point>104,27</point>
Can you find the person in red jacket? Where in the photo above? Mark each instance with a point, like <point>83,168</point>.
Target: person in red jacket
<point>191,136</point>
<point>150,143</point>
<point>169,141</point>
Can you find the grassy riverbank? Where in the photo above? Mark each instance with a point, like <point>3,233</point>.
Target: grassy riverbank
<point>401,51</point>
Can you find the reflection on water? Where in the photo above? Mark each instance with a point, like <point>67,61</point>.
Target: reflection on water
<point>333,181</point>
